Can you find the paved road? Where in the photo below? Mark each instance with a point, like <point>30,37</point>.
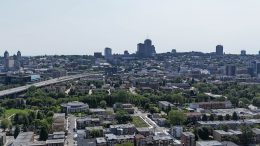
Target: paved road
<point>41,84</point>
<point>71,125</point>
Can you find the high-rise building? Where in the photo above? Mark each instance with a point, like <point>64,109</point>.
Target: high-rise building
<point>243,53</point>
<point>12,62</point>
<point>18,60</point>
<point>258,68</point>
<point>108,54</point>
<point>98,55</point>
<point>219,50</point>
<point>19,55</point>
<point>6,60</point>
<point>230,70</point>
<point>254,68</point>
<point>126,53</point>
<point>145,50</point>
<point>6,55</point>
<point>174,51</point>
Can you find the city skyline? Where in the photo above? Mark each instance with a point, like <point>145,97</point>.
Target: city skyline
<point>49,27</point>
<point>103,52</point>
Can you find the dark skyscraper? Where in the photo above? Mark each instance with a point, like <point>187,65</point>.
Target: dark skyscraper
<point>6,60</point>
<point>258,68</point>
<point>146,49</point>
<point>18,60</point>
<point>243,53</point>
<point>19,55</point>
<point>230,70</point>
<point>108,54</point>
<point>98,55</point>
<point>126,52</point>
<point>219,50</point>
<point>6,55</point>
<point>252,68</point>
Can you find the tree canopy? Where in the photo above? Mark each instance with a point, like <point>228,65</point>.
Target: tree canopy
<point>176,117</point>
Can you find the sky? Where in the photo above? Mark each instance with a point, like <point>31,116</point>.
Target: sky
<point>71,27</point>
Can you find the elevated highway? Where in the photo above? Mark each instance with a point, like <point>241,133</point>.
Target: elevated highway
<point>42,84</point>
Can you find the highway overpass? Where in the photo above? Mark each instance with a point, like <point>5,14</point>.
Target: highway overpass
<point>42,84</point>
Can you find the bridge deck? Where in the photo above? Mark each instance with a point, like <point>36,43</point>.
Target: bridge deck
<point>41,84</point>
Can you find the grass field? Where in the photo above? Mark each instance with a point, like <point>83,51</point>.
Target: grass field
<point>139,122</point>
<point>10,112</point>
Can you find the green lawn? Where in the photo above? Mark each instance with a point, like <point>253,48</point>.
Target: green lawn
<point>10,112</point>
<point>139,122</point>
<point>125,144</point>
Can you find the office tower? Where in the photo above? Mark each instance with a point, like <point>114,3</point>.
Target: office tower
<point>250,71</point>
<point>230,70</point>
<point>146,49</point>
<point>98,55</point>
<point>6,60</point>
<point>6,55</point>
<point>126,53</point>
<point>219,50</point>
<point>108,54</point>
<point>243,53</point>
<point>258,68</point>
<point>19,55</point>
<point>12,63</point>
<point>18,60</point>
<point>254,68</point>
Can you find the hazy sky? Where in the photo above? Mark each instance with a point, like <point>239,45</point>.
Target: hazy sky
<point>38,27</point>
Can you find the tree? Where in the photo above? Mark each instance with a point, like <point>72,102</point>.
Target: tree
<point>103,104</point>
<point>231,138</point>
<point>234,100</point>
<point>202,97</point>
<point>220,118</point>
<point>5,123</point>
<point>168,108</point>
<point>50,114</point>
<point>224,127</point>
<point>123,117</point>
<point>2,111</point>
<point>177,98</point>
<point>203,133</point>
<point>204,118</point>
<point>211,117</point>
<point>247,134</point>
<point>39,115</point>
<point>95,133</point>
<point>153,108</point>
<point>16,131</point>
<point>235,116</point>
<point>227,117</point>
<point>43,134</point>
<point>25,128</point>
<point>32,116</point>
<point>195,132</point>
<point>22,118</point>
<point>256,101</point>
<point>176,117</point>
